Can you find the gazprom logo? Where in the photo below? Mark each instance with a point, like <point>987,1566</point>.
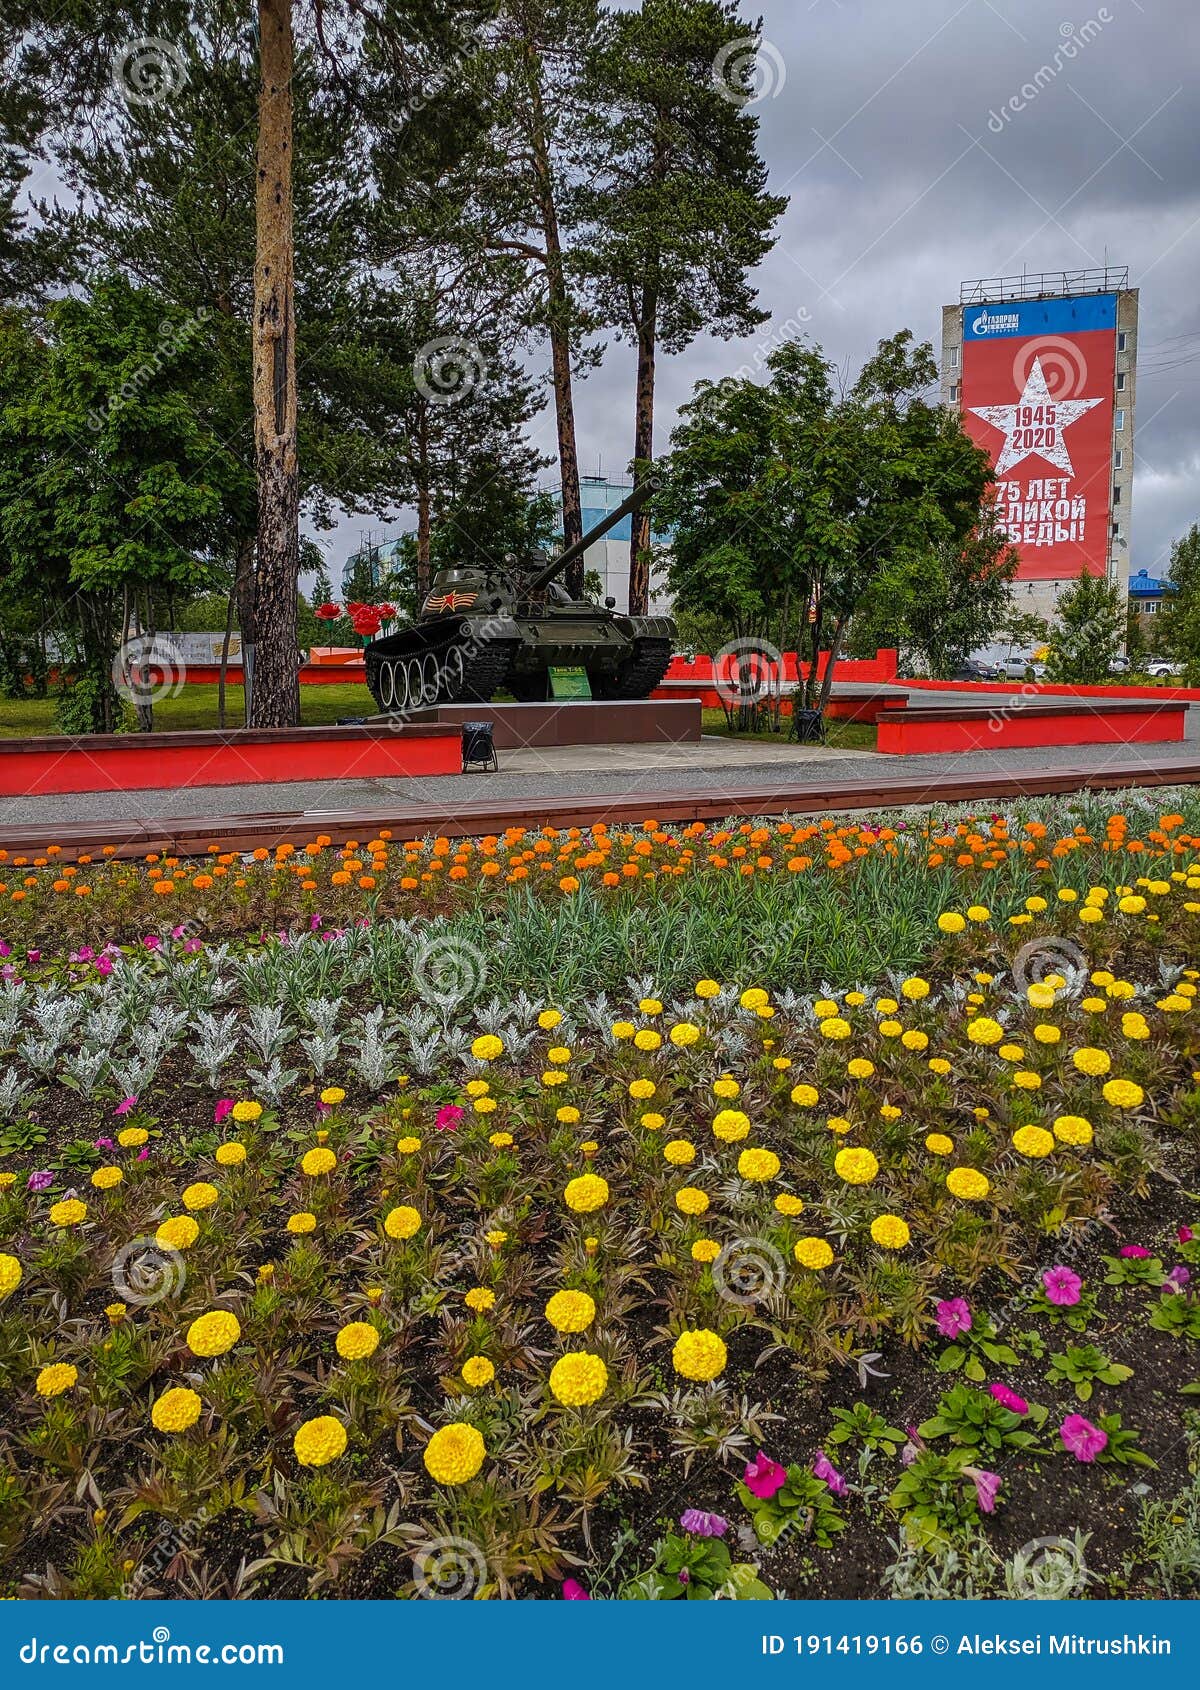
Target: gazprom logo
<point>1000,322</point>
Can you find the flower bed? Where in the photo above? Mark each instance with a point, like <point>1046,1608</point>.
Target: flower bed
<point>385,1239</point>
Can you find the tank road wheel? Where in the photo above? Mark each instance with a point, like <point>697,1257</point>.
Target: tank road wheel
<point>453,674</point>
<point>399,687</point>
<point>431,679</point>
<point>386,686</point>
<point>414,683</point>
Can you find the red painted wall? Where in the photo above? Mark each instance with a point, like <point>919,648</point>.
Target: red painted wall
<point>910,736</point>
<point>1044,689</point>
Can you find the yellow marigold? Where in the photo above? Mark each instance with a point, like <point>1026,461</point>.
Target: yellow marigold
<point>558,1054</point>
<point>856,1166</point>
<point>690,1200</point>
<point>824,1007</point>
<point>176,1410</point>
<point>939,1065</point>
<point>915,1039</point>
<point>623,1029</point>
<point>679,1152</point>
<point>52,1381</point>
<point>707,989</point>
<point>684,1033</point>
<point>200,1195</point>
<point>967,1183</point>
<point>859,1068</point>
<point>357,1340</point>
<point>1073,1129</point>
<point>214,1333</point>
<point>1025,1080</point>
<point>11,1274</point>
<point>332,1096</point>
<point>758,1165</point>
<point>807,1097</point>
<point>1097,1006</point>
<point>890,1029</point>
<point>787,1203</point>
<point>408,1145</point>
<point>179,1232</point>
<point>301,1222</point>
<point>650,1006</point>
<point>839,1124</point>
<point>132,1138</point>
<point>402,1222</point>
<point>699,1355</point>
<point>813,1253</point>
<point>477,1371</point>
<point>705,1250</point>
<point>578,1378</point>
<point>480,1298</point>
<point>834,1027</point>
<point>484,1106</point>
<point>1089,915</point>
<point>487,1047</point>
<point>231,1154</point>
<point>104,1179</point>
<point>1124,1094</point>
<point>319,1441</point>
<point>69,1212</point>
<point>726,1087</point>
<point>890,1232</point>
<point>984,1031</point>
<point>890,1112</point>
<point>1046,1033</point>
<point>1040,996</point>
<point>586,1193</point>
<point>1091,1061</point>
<point>1012,1053</point>
<point>570,1311</point>
<point>551,1077</point>
<point>246,1110</point>
<point>567,1114</point>
<point>939,1145</point>
<point>647,1038</point>
<point>730,1125</point>
<point>496,1237</point>
<point>549,1019</point>
<point>914,988</point>
<point>1133,1026</point>
<point>979,912</point>
<point>454,1454</point>
<point>317,1162</point>
<point>652,1122</point>
<point>950,922</point>
<point>1131,904</point>
<point>7,1179</point>
<point>640,1090</point>
<point>1033,1141</point>
<point>500,1141</point>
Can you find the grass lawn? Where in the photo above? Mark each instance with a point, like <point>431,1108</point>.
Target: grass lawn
<point>844,736</point>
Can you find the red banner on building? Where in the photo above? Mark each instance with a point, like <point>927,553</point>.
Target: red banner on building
<point>1038,395</point>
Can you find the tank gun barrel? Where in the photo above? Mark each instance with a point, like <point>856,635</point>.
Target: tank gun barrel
<point>636,499</point>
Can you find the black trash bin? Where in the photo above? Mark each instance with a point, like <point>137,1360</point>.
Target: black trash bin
<point>478,750</point>
<point>808,727</point>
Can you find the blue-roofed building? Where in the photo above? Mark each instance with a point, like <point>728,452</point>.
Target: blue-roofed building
<point>1148,593</point>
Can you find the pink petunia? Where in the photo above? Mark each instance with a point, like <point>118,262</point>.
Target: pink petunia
<point>223,1107</point>
<point>763,1477</point>
<point>448,1117</point>
<point>125,1106</point>
<point>1184,1234</point>
<point>1062,1286</point>
<point>953,1317</point>
<point>1009,1399</point>
<point>573,1591</point>
<point>823,1468</point>
<point>1135,1253</point>
<point>103,1144</point>
<point>987,1486</point>
<point>698,1522</point>
<point>1084,1440</point>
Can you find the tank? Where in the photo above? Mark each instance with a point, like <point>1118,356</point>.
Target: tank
<point>506,626</point>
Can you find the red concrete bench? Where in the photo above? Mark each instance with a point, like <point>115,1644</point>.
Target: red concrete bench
<point>983,727</point>
<point>848,704</point>
<point>233,757</point>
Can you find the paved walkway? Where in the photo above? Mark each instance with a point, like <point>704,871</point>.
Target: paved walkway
<point>564,771</point>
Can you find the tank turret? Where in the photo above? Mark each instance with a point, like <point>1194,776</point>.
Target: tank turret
<point>484,627</point>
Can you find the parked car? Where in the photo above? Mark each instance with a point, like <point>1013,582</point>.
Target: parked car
<point>1119,666</point>
<point>974,669</point>
<point>1161,669</point>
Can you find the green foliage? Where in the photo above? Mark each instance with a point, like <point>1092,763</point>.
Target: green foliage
<point>975,1419</point>
<point>861,1425</point>
<point>1085,1366</point>
<point>936,1499</point>
<point>803,1504</point>
<point>1089,624</point>
<point>696,1569</point>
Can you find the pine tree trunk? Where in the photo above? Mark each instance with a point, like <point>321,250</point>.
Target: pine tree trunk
<point>643,450</point>
<point>559,325</point>
<point>423,520</point>
<point>276,696</point>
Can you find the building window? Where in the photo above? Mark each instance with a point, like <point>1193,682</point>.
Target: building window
<point>1116,530</point>
<point>1121,379</point>
<point>1123,340</point>
<point>1119,458</point>
<point>953,357</point>
<point>1119,421</point>
<point>954,391</point>
<point>1151,607</point>
<point>1116,495</point>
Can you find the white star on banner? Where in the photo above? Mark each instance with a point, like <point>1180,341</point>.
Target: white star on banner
<point>1064,412</point>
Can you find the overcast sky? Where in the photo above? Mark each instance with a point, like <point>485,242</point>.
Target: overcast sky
<point>894,128</point>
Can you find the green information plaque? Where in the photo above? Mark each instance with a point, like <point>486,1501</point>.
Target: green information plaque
<point>569,683</point>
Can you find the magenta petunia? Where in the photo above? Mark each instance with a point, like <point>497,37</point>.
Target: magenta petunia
<point>1009,1399</point>
<point>448,1117</point>
<point>823,1468</point>
<point>573,1591</point>
<point>763,1477</point>
<point>223,1107</point>
<point>954,1317</point>
<point>1084,1440</point>
<point>699,1523</point>
<point>1135,1253</point>
<point>125,1106</point>
<point>987,1485</point>
<point>1062,1286</point>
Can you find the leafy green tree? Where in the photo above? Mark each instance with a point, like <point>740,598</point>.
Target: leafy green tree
<point>1180,615</point>
<point>112,480</point>
<point>1089,623</point>
<point>795,505</point>
<point>674,210</point>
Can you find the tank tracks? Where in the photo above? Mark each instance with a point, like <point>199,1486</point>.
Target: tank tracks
<point>638,677</point>
<point>453,673</point>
